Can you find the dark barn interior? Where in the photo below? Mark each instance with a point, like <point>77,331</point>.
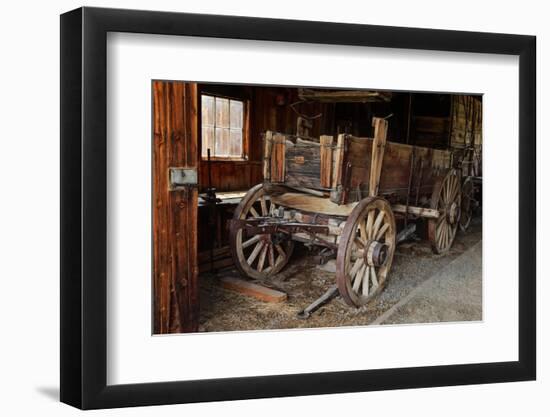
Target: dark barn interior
<point>217,130</point>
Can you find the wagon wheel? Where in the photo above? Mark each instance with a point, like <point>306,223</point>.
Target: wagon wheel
<point>365,251</point>
<point>467,206</point>
<point>258,256</point>
<point>447,199</point>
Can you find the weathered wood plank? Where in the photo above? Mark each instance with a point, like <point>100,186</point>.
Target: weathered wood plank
<point>326,161</point>
<point>313,204</point>
<point>251,289</point>
<point>278,158</point>
<point>303,165</point>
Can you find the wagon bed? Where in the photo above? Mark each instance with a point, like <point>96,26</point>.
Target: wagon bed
<point>343,194</point>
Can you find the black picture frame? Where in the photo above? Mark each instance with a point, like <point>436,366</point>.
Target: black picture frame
<point>84,207</point>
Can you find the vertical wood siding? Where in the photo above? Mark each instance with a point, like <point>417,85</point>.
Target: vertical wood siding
<point>175,139</point>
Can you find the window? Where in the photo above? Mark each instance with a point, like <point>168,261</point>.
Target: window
<point>222,127</point>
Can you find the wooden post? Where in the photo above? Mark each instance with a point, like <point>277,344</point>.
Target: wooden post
<point>278,159</point>
<point>326,161</point>
<point>338,156</point>
<point>378,146</point>
<point>267,155</point>
<point>338,170</point>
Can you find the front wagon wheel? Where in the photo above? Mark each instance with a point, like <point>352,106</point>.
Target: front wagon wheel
<point>365,251</point>
<point>263,255</point>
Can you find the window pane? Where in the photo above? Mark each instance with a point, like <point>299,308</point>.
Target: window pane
<point>222,142</point>
<point>236,143</point>
<point>236,114</point>
<point>207,141</point>
<point>222,112</point>
<point>207,111</point>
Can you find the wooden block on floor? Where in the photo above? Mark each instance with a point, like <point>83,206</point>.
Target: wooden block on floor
<point>251,289</point>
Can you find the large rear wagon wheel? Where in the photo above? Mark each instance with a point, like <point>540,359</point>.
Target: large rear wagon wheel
<point>365,251</point>
<point>258,256</point>
<point>446,198</point>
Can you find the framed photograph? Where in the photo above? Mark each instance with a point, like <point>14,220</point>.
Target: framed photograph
<point>258,208</point>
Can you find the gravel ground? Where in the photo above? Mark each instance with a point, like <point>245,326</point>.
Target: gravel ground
<point>304,281</point>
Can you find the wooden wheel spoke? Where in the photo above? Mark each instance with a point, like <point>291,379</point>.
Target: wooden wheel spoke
<point>357,264</point>
<point>279,259</point>
<point>382,230</point>
<point>254,212</point>
<point>454,191</point>
<point>370,219</point>
<point>374,278</point>
<point>261,260</point>
<point>377,223</point>
<point>271,256</point>
<point>439,234</point>
<point>450,186</point>
<point>363,231</point>
<point>359,278</point>
<point>359,242</point>
<point>255,253</point>
<point>449,235</point>
<point>251,241</point>
<point>365,278</point>
<point>280,250</point>
<point>264,206</point>
<point>445,233</point>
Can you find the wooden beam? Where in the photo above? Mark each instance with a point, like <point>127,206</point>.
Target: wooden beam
<point>417,211</point>
<point>351,96</point>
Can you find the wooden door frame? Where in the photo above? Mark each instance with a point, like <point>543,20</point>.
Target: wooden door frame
<point>175,270</point>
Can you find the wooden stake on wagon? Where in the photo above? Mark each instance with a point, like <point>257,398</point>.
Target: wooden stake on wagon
<point>326,161</point>
<point>378,146</point>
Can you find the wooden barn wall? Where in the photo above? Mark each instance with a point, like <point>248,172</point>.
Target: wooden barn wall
<point>467,120</point>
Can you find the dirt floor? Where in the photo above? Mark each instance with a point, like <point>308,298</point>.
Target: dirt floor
<point>304,281</point>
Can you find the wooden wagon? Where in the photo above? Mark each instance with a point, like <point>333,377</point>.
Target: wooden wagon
<point>348,195</point>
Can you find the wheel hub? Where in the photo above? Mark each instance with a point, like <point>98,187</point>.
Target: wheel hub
<point>376,253</point>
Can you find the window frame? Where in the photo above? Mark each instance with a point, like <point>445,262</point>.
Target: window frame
<point>245,128</point>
